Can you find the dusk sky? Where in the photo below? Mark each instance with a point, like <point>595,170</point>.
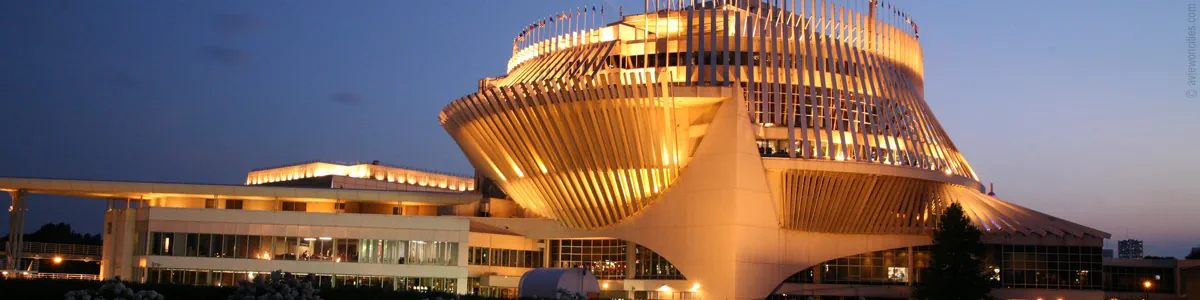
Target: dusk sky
<point>1074,108</point>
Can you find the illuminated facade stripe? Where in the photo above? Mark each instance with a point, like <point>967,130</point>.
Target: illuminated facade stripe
<point>587,152</point>
<point>361,170</point>
<point>570,130</point>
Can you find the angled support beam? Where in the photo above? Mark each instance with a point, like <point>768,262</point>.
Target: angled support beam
<point>16,229</point>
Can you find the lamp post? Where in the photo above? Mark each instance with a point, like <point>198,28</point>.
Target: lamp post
<point>1147,284</point>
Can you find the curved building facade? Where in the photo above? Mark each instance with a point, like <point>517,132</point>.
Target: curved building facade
<point>588,127</point>
<point>768,126</point>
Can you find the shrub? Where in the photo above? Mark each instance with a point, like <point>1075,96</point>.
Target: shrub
<point>112,289</point>
<point>275,288</point>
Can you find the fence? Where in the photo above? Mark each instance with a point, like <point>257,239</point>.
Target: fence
<point>56,248</point>
<point>65,276</point>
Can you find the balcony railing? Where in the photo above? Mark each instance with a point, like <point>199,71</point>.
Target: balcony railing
<point>65,276</point>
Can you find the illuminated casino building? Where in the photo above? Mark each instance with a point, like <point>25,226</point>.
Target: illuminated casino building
<point>760,147</point>
<point>715,150</point>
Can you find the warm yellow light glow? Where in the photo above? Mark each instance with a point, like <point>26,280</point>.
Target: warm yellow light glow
<point>339,259</point>
<point>251,275</point>
<point>695,287</point>
<point>605,286</point>
<point>664,288</point>
<point>57,260</point>
<point>1147,284</point>
<point>948,172</point>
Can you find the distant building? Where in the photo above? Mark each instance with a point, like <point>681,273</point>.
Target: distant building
<point>1129,248</point>
<point>1107,253</point>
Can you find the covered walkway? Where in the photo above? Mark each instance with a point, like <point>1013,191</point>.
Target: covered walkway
<point>149,194</point>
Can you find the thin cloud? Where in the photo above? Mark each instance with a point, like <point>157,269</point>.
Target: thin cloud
<point>347,98</point>
<point>224,55</point>
<point>229,25</point>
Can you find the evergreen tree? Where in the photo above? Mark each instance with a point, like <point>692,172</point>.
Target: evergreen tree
<point>957,256</point>
<point>60,233</point>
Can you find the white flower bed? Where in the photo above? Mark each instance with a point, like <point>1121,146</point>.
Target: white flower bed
<point>112,290</point>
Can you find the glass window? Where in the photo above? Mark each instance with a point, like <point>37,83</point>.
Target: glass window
<point>279,248</point>
<point>347,250</point>
<point>204,244</point>
<point>228,279</point>
<point>193,244</point>
<point>253,250</point>
<point>243,246</point>
<point>218,245</point>
<point>604,257</point>
<point>294,206</point>
<point>322,249</point>
<point>432,253</point>
<point>178,244</point>
<point>305,248</point>
<point>157,246</point>
<point>141,244</point>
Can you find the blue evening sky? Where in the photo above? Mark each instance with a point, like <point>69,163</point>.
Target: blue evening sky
<point>1074,108</point>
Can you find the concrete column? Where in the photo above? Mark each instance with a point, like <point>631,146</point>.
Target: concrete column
<point>630,259</point>
<point>817,272</point>
<point>16,229</point>
<point>120,243</point>
<point>912,266</point>
<point>546,254</point>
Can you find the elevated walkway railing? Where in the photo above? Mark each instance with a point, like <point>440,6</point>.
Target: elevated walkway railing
<point>65,276</point>
<point>32,248</point>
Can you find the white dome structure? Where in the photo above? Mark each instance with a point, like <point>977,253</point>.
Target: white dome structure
<point>546,282</point>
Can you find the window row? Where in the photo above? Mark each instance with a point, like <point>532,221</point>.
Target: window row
<point>1132,279</point>
<point>887,267</point>
<point>504,257</point>
<point>1056,267</point>
<point>604,257</point>
<point>650,265</point>
<point>765,60</point>
<point>230,278</point>
<point>490,291</point>
<point>299,248</point>
<point>778,148</point>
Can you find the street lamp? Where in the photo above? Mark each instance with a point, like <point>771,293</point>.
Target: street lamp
<point>1147,284</point>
